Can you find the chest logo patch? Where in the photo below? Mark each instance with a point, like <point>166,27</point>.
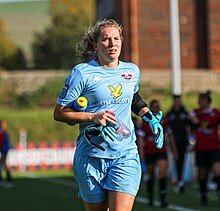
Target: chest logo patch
<point>204,124</point>
<point>126,75</point>
<point>115,92</point>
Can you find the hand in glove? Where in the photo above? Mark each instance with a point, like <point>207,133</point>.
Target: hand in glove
<point>107,133</point>
<point>154,122</point>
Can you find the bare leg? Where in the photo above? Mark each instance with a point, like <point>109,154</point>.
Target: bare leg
<point>101,206</point>
<point>120,201</point>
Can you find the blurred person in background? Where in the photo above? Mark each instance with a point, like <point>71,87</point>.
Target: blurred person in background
<point>5,146</point>
<point>137,127</point>
<point>107,170</point>
<point>156,159</point>
<point>180,124</point>
<point>207,143</point>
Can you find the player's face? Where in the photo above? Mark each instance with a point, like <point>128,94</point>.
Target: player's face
<point>109,45</point>
<point>177,102</point>
<point>155,107</point>
<point>203,103</point>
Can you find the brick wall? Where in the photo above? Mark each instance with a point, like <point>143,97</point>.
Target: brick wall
<point>192,80</point>
<point>153,34</point>
<point>27,81</point>
<point>199,33</point>
<point>188,34</point>
<point>214,33</point>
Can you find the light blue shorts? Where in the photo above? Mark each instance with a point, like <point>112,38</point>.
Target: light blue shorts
<point>95,176</point>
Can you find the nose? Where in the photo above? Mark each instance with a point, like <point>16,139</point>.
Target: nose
<point>111,42</point>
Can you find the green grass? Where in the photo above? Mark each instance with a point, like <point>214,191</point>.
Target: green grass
<point>40,191</point>
<point>39,124</point>
<point>188,200</point>
<point>30,8</point>
<point>190,100</point>
<point>56,191</point>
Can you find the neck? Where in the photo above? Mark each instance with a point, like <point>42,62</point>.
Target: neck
<point>177,108</point>
<point>205,107</point>
<point>110,64</point>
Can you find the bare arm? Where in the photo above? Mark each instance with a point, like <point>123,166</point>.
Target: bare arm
<point>143,111</point>
<point>67,115</point>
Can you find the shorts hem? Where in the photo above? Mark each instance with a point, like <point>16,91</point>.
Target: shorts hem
<point>124,191</point>
<point>92,200</point>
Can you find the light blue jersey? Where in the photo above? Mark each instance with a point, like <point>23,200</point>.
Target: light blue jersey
<point>105,89</point>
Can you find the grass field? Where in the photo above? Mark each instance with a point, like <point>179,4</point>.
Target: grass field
<point>39,124</point>
<point>56,191</point>
<point>26,7</point>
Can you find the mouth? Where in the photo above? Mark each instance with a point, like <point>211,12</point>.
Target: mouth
<point>112,51</point>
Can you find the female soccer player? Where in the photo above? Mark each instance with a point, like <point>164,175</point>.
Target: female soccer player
<point>207,147</point>
<point>179,121</point>
<point>107,171</point>
<point>154,157</point>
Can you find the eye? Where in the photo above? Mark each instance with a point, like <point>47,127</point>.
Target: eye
<point>105,39</point>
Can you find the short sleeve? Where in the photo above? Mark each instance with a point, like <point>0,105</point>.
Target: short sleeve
<point>72,88</point>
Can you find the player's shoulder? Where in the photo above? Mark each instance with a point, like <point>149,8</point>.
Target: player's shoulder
<point>170,112</point>
<point>129,64</point>
<point>197,110</point>
<point>82,69</point>
<point>129,68</point>
<point>216,110</point>
<point>84,66</point>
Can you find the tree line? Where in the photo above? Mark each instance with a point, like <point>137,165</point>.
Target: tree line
<point>54,47</point>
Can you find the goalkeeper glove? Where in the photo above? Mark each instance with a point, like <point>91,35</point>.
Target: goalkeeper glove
<point>154,122</point>
<point>107,133</point>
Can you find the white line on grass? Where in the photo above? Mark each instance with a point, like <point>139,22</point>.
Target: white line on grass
<point>170,206</point>
<point>73,185</point>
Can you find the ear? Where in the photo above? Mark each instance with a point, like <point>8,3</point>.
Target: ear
<point>95,46</point>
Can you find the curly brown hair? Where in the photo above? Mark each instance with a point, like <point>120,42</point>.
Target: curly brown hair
<point>86,45</point>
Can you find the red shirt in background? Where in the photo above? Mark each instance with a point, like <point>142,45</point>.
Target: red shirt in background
<point>206,133</point>
<point>149,145</point>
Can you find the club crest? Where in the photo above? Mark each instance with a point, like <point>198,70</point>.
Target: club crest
<point>126,75</point>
